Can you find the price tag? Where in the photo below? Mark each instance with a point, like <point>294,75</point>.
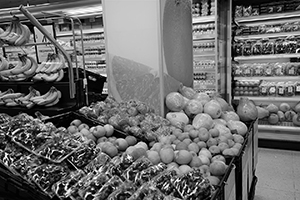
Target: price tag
<point>269,71</point>
<point>257,71</point>
<point>290,89</point>
<point>264,90</point>
<point>298,88</point>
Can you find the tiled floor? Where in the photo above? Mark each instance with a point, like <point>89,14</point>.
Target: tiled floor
<point>278,173</point>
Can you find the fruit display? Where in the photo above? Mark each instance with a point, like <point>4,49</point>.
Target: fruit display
<point>16,33</point>
<point>279,114</point>
<point>88,172</point>
<point>203,8</point>
<point>33,98</point>
<point>24,69</point>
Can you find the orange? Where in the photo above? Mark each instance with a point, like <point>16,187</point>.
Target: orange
<point>131,140</point>
<point>181,146</point>
<point>183,157</point>
<point>217,168</point>
<point>153,156</point>
<point>166,155</point>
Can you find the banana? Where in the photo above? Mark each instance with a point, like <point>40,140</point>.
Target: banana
<point>7,72</point>
<point>40,116</point>
<point>7,31</point>
<point>11,96</point>
<point>51,77</point>
<point>9,91</point>
<point>42,97</point>
<point>53,67</point>
<point>4,78</point>
<point>25,35</point>
<point>50,61</point>
<point>19,77</point>
<point>11,104</point>
<point>4,63</point>
<point>26,64</point>
<point>61,75</point>
<point>30,72</point>
<point>37,77</point>
<point>53,103</point>
<point>50,99</point>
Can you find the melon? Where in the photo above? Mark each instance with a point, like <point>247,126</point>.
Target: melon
<point>177,40</point>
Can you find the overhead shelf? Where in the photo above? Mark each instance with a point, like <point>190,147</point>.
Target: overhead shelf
<point>273,78</point>
<point>268,56</point>
<point>85,31</point>
<point>268,35</point>
<point>203,19</point>
<point>269,99</point>
<point>268,17</point>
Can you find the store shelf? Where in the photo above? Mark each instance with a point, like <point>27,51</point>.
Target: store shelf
<point>272,78</point>
<point>268,35</point>
<point>85,31</point>
<point>268,17</point>
<point>203,19</point>
<point>269,99</point>
<point>203,37</point>
<point>203,55</point>
<point>268,56</point>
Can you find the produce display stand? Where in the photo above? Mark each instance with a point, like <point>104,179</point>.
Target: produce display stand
<point>238,181</point>
<point>75,81</point>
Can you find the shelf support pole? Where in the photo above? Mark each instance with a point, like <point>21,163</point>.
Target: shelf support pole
<point>38,25</point>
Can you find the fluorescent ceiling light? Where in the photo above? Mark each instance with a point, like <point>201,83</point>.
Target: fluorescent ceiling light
<point>84,10</point>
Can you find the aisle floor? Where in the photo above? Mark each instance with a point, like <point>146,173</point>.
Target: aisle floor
<point>278,173</point>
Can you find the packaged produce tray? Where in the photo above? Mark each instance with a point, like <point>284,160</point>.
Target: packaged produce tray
<point>64,120</point>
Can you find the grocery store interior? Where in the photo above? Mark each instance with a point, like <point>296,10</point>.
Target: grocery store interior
<point>149,99</point>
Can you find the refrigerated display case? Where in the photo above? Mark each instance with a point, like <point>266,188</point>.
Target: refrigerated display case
<point>266,70</point>
<point>212,46</point>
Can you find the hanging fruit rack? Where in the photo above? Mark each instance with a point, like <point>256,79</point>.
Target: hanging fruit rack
<point>75,85</point>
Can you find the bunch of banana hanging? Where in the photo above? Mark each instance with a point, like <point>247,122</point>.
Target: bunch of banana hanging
<point>51,70</point>
<point>24,69</point>
<point>34,97</point>
<point>16,33</point>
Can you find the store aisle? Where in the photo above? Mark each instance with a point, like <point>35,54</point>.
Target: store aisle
<point>278,173</point>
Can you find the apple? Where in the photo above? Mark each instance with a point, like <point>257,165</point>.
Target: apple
<point>204,159</point>
<point>98,131</point>
<point>206,152</point>
<point>72,129</point>
<point>82,126</point>
<point>85,131</point>
<point>203,134</point>
<point>76,122</point>
<point>102,139</point>
<point>109,130</point>
<point>121,144</point>
<point>131,140</point>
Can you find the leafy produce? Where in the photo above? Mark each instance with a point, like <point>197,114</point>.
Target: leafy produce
<point>202,120</point>
<point>246,110</point>
<point>175,101</point>
<point>178,119</point>
<point>237,126</point>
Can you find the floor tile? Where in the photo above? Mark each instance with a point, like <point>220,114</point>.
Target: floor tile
<point>283,184</point>
<point>272,194</point>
